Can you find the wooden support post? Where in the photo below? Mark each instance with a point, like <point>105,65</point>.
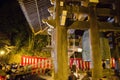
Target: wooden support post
<point>117,9</point>
<point>61,44</point>
<point>95,44</point>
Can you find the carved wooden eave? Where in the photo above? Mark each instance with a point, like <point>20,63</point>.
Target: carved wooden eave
<point>35,11</point>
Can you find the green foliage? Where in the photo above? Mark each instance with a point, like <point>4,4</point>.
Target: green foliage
<point>40,42</point>
<point>32,46</point>
<point>42,54</point>
<point>15,58</point>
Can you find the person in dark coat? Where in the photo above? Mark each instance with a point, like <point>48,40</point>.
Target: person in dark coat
<point>103,65</point>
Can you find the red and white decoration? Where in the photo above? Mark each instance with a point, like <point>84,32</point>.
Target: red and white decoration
<point>43,63</point>
<point>36,62</point>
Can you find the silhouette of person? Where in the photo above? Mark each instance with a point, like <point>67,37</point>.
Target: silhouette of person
<point>103,65</point>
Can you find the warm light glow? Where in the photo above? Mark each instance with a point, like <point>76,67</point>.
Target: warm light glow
<point>2,52</point>
<point>94,1</point>
<point>61,3</point>
<point>63,17</point>
<point>79,49</point>
<point>64,13</point>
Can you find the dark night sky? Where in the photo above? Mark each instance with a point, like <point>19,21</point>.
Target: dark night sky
<point>11,17</point>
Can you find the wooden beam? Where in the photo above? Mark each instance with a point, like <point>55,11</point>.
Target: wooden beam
<point>105,12</point>
<point>77,9</point>
<point>105,26</point>
<point>82,25</point>
<point>85,10</point>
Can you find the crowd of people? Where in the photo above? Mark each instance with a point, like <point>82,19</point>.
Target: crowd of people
<point>17,72</point>
<point>87,75</point>
<point>6,70</point>
<point>75,75</point>
<point>12,72</point>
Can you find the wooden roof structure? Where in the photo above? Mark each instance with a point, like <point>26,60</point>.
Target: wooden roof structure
<point>37,10</point>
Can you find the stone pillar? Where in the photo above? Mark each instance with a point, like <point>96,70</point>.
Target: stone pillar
<point>61,47</point>
<point>95,44</point>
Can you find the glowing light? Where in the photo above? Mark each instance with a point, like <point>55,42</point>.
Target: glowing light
<point>61,3</point>
<point>79,49</point>
<point>94,1</point>
<point>2,52</point>
<point>63,17</point>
